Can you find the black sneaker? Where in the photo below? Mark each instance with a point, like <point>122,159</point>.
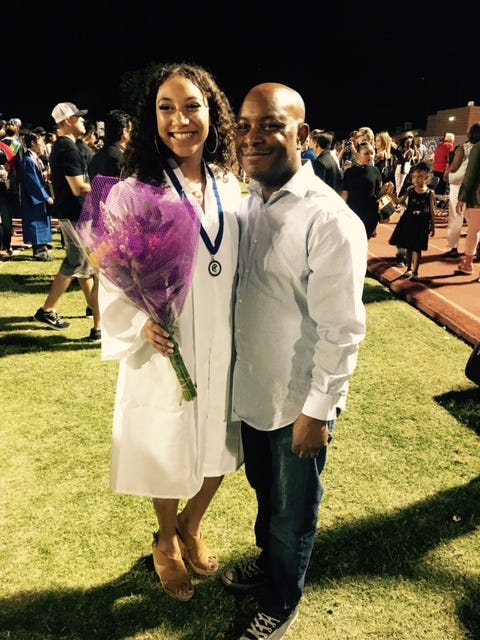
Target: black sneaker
<point>51,318</point>
<point>89,313</point>
<point>452,254</point>
<point>265,626</point>
<point>243,577</point>
<point>95,335</point>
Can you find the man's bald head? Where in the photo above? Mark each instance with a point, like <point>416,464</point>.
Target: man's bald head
<point>281,95</point>
<point>270,134</point>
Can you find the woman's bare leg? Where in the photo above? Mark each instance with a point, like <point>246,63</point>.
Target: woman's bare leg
<point>196,507</point>
<point>189,523</point>
<point>166,511</point>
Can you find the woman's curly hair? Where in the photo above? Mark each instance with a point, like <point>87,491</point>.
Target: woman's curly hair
<point>146,155</point>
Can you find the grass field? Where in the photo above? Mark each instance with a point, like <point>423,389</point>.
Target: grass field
<point>397,553</point>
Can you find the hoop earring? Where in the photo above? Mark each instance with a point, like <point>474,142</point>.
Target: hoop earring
<point>213,151</point>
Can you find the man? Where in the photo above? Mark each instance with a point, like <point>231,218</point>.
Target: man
<point>70,185</point>
<point>442,157</point>
<point>299,321</point>
<point>325,166</point>
<point>420,149</point>
<point>108,161</point>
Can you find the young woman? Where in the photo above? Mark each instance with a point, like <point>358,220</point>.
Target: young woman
<point>454,175</point>
<point>164,448</point>
<point>362,186</point>
<point>468,205</point>
<point>384,159</point>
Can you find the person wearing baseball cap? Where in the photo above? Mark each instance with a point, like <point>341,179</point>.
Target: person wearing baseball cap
<point>64,110</point>
<point>70,186</point>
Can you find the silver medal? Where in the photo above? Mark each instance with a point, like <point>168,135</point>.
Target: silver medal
<point>214,267</point>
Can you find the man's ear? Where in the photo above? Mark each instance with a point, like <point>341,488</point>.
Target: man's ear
<point>302,134</point>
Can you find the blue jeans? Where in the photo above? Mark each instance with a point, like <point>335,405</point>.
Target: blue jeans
<point>289,492</point>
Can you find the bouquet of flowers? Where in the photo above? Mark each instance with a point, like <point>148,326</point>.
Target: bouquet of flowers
<point>144,239</point>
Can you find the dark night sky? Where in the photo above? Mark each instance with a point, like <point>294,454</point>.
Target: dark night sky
<point>354,64</point>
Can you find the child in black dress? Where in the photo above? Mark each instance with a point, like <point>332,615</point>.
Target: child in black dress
<point>418,220</point>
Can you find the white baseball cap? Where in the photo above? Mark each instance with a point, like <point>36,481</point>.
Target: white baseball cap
<point>65,110</point>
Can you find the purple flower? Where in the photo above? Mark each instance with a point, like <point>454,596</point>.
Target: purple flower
<point>144,239</point>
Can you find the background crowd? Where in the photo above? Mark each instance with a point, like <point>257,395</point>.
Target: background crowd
<point>382,164</point>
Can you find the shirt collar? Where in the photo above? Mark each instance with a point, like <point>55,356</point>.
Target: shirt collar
<point>298,184</point>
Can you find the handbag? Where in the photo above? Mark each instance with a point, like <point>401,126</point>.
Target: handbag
<point>472,368</point>
<point>386,208</point>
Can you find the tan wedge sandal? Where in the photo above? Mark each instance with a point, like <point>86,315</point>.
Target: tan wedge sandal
<point>196,553</point>
<point>173,575</point>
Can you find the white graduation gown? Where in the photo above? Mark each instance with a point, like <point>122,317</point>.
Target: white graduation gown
<point>162,446</point>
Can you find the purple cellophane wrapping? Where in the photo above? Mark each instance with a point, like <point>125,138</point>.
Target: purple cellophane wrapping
<point>144,239</point>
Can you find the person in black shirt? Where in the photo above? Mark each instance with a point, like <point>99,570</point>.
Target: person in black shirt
<point>108,161</point>
<point>70,185</point>
<point>325,165</point>
<point>362,186</point>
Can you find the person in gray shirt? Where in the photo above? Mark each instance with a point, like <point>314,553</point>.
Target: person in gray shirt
<point>299,321</point>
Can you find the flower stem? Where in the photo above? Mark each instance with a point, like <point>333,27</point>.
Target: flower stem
<point>189,391</point>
